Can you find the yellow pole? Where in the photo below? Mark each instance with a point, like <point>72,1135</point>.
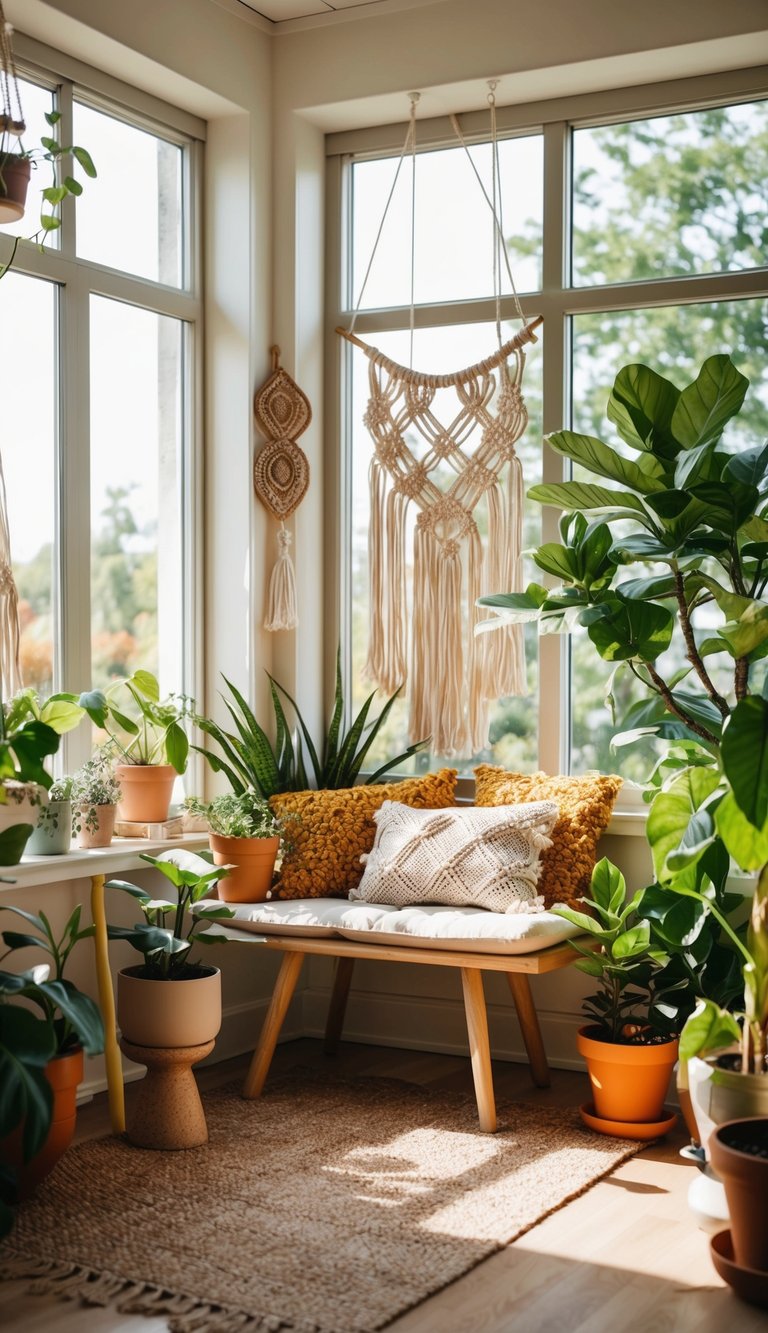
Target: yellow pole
<point>112,1060</point>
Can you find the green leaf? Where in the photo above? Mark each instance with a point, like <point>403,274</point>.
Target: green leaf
<point>51,145</point>
<point>95,704</point>
<point>53,194</point>
<point>27,1043</point>
<point>146,684</point>
<point>86,162</point>
<point>744,753</point>
<point>632,942</point>
<point>604,461</point>
<point>699,835</point>
<point>61,714</point>
<point>176,747</point>
<point>672,811</point>
<point>706,406</point>
<point>709,1028</point>
<point>52,117</point>
<point>746,844</point>
<point>557,560</point>
<point>749,468</point>
<point>660,585</point>
<point>13,840</point>
<point>698,464</point>
<point>641,406</point>
<point>74,187</point>
<point>632,630</point>
<point>608,886</point>
<point>49,223</point>
<point>585,496</point>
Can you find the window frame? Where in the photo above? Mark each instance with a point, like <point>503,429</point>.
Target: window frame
<point>557,301</point>
<point>76,280</point>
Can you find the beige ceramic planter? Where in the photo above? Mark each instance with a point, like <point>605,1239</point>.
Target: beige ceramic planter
<point>102,834</point>
<point>146,791</point>
<point>169,1013</point>
<point>253,860</point>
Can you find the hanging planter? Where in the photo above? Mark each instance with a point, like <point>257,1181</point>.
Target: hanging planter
<point>15,172</point>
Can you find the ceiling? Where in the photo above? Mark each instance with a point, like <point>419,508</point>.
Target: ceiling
<point>282,11</point>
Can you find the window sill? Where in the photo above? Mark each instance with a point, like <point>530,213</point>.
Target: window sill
<point>122,854</point>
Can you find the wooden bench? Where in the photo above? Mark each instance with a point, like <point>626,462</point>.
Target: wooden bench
<point>517,967</point>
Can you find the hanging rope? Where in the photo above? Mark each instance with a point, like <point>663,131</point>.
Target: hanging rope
<point>12,116</point>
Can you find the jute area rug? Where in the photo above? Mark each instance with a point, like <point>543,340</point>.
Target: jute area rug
<point>326,1206</point>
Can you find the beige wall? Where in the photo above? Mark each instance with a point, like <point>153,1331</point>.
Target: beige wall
<point>268,100</point>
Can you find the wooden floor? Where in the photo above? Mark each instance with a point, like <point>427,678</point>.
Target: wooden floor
<point>626,1256</point>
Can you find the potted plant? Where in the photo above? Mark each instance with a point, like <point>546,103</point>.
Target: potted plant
<point>150,741</point>
<point>245,835</point>
<point>169,1000</point>
<point>629,1044</point>
<point>41,1058</point>
<point>52,834</point>
<point>665,570</point>
<point>95,792</point>
<point>25,744</point>
<point>16,166</point>
<point>251,762</point>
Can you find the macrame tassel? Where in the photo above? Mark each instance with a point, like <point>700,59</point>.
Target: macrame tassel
<point>395,665</point>
<point>419,720</point>
<point>10,670</point>
<point>374,662</point>
<point>513,679</point>
<point>477,700</point>
<point>446,651</point>
<point>282,587</point>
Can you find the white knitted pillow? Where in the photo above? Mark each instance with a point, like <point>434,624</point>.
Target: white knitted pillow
<point>460,857</point>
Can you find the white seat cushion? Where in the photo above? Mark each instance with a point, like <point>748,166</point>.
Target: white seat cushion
<point>465,929</point>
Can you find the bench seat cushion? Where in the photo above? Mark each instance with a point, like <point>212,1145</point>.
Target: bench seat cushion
<point>465,929</point>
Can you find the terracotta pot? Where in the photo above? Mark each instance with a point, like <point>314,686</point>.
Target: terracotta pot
<point>745,1176</point>
<point>254,862</point>
<point>719,1094</point>
<point>14,181</point>
<point>102,835</point>
<point>169,1013</point>
<point>628,1082</point>
<point>64,1073</point>
<point>53,833</point>
<point>146,791</point>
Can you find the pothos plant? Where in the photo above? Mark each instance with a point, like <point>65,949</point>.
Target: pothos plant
<point>63,184</point>
<point>673,553</point>
<point>142,727</point>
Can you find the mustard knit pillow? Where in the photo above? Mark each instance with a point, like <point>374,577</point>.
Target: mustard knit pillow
<point>334,828</point>
<point>585,805</point>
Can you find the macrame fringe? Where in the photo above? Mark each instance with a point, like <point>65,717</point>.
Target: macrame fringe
<point>186,1314</point>
<point>10,670</point>
<point>281,606</point>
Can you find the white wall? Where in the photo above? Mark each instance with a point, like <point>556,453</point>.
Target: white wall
<point>268,101</point>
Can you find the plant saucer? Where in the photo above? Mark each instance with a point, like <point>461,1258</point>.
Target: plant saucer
<point>626,1129</point>
<point>750,1284</point>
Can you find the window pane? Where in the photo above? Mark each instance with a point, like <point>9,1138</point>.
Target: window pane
<point>130,217</point>
<point>669,196</point>
<point>27,392</point>
<point>35,102</point>
<point>136,541</point>
<point>675,341</point>
<point>513,730</point>
<point>454,225</point>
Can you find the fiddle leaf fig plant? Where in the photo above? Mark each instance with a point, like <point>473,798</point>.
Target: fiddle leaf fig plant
<point>689,519</point>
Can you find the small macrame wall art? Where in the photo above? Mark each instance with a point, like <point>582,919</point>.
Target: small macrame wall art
<point>445,468</point>
<point>280,479</point>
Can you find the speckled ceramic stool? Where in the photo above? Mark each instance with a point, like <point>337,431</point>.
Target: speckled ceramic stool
<point>167,1112</point>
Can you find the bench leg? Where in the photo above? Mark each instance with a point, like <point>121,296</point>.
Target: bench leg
<point>529,1026</point>
<point>479,1046</point>
<point>278,1007</point>
<point>338,1006</point>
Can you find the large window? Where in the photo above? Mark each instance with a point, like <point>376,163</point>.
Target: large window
<point>641,238</point>
<point>97,351</point>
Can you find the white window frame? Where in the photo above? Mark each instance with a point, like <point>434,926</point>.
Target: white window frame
<point>78,279</point>
<point>557,302</point>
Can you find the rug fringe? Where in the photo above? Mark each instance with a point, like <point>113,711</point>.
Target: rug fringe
<point>74,1282</point>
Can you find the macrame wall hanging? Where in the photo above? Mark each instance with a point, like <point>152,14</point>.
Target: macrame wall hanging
<point>280,479</point>
<point>459,470</point>
<point>10,671</point>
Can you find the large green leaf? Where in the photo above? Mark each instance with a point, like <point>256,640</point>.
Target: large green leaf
<point>632,630</point>
<point>603,460</point>
<point>672,811</point>
<point>706,406</point>
<point>699,464</point>
<point>744,753</point>
<point>557,560</point>
<point>709,1028</point>
<point>27,1043</point>
<point>176,747</point>
<point>641,406</point>
<point>750,468</point>
<point>584,496</point>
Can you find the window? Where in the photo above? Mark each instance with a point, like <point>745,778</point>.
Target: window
<point>97,349</point>
<point>647,244</point>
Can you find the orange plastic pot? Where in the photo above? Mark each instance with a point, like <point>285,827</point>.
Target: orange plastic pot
<point>64,1073</point>
<point>146,791</point>
<point>254,862</point>
<point>628,1082</point>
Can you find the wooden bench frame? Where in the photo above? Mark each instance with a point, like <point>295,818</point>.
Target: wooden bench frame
<point>517,967</point>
